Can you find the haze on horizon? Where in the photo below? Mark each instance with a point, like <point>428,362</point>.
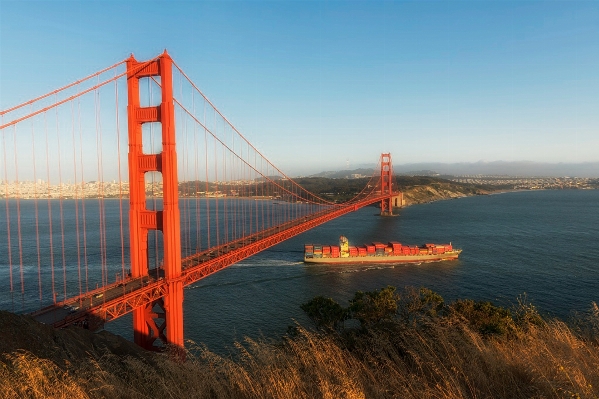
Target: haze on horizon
<point>317,85</point>
<point>498,168</point>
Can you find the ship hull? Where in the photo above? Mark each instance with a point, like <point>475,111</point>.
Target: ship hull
<point>451,255</point>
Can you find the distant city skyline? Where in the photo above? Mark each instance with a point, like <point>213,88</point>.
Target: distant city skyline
<point>314,85</point>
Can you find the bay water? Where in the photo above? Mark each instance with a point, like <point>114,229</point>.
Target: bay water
<point>543,245</point>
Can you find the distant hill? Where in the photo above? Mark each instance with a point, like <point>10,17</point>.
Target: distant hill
<point>345,174</point>
<point>521,168</point>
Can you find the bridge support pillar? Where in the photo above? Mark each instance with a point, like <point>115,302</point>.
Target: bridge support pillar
<point>386,184</point>
<point>146,325</point>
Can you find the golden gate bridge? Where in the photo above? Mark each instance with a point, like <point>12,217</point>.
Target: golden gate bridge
<point>110,207</point>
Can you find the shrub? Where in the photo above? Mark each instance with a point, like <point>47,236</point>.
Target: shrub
<point>485,317</point>
<point>325,313</point>
<point>373,307</point>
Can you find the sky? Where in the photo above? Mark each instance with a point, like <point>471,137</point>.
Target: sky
<point>323,85</point>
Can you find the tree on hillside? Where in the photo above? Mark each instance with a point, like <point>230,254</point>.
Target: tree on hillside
<point>325,313</point>
<point>373,307</point>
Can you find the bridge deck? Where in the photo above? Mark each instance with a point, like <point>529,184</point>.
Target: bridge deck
<point>112,301</point>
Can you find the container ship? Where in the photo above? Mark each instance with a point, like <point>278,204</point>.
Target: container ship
<point>377,252</point>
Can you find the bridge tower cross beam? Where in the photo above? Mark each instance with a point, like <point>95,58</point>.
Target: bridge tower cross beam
<point>166,323</point>
<point>386,184</point>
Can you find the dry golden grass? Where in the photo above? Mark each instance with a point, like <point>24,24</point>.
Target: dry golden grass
<point>436,357</point>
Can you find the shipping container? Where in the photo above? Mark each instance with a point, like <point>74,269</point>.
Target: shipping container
<point>395,245</point>
<point>387,252</point>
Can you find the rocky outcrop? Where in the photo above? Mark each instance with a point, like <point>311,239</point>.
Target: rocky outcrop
<point>438,191</point>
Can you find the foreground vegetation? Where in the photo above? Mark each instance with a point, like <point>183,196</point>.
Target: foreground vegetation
<point>384,344</point>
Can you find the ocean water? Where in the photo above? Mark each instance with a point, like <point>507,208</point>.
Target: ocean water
<point>542,244</point>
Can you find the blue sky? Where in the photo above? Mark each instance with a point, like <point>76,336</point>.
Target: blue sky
<point>316,84</point>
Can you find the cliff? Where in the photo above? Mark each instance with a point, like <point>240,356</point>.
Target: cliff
<point>434,191</point>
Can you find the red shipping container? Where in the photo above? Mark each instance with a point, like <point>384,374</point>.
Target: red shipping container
<point>379,245</point>
<point>370,249</point>
<point>395,245</point>
<point>326,249</point>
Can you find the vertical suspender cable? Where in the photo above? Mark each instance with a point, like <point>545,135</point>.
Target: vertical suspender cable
<point>19,219</point>
<point>225,210</point>
<point>234,178</point>
<point>49,208</point>
<point>244,193</point>
<point>76,199</point>
<point>8,232</point>
<point>207,187</point>
<point>198,246</point>
<point>217,215</point>
<point>186,199</point>
<point>35,205</point>
<point>99,181</point>
<point>257,193</point>
<point>83,201</point>
<point>60,202</point>
<point>118,143</point>
<point>186,179</point>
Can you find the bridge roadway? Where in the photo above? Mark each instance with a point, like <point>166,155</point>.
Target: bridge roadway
<point>93,309</point>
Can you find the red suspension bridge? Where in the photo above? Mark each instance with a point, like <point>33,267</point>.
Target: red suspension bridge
<point>111,208</point>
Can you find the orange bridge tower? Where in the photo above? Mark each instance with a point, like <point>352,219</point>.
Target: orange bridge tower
<point>386,185</point>
<point>162,319</point>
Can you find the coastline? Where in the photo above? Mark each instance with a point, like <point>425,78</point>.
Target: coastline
<point>440,191</point>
